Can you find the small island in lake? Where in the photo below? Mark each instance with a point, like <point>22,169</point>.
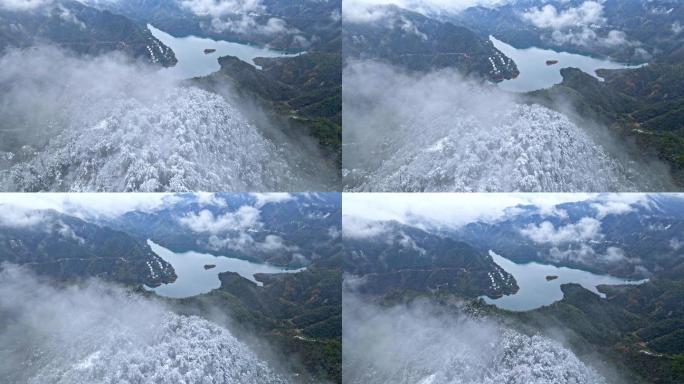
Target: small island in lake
<point>551,277</point>
<point>209,266</point>
<point>209,50</point>
<point>551,62</point>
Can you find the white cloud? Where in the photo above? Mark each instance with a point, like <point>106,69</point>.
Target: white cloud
<point>89,204</point>
<point>14,216</point>
<point>207,198</point>
<point>618,203</point>
<point>66,15</point>
<point>575,25</point>
<point>612,208</point>
<point>218,8</point>
<point>360,228</point>
<point>231,230</point>
<point>245,243</point>
<point>359,11</point>
<point>677,28</point>
<point>205,221</point>
<point>587,255</point>
<point>68,233</point>
<point>248,24</point>
<point>237,16</point>
<point>23,5</point>
<point>584,230</point>
<point>274,197</point>
<point>588,13</point>
<point>448,209</point>
<point>676,244</point>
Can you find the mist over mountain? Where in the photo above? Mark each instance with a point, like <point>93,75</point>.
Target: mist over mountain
<point>460,135</point>
<point>86,107</point>
<point>282,24</point>
<point>423,343</point>
<point>633,237</point>
<point>439,332</point>
<point>100,333</point>
<point>61,253</point>
<point>634,31</point>
<point>134,129</point>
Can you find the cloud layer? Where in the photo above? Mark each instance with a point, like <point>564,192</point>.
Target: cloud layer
<point>419,343</point>
<point>461,135</point>
<point>108,124</point>
<point>99,333</point>
<point>576,25</point>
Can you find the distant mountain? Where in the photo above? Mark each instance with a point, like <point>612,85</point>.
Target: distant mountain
<point>641,240</point>
<point>417,42</point>
<point>66,247</point>
<point>405,258</point>
<point>317,23</point>
<point>82,29</point>
<point>296,232</point>
<point>651,28</point>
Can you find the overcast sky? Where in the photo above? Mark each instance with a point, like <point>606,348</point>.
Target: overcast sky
<point>459,208</point>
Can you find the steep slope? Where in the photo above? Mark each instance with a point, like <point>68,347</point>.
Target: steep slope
<point>304,91</point>
<point>396,257</point>
<point>300,314</point>
<point>66,247</point>
<point>416,42</point>
<point>98,333</point>
<point>638,327</point>
<point>420,343</point>
<point>644,104</point>
<point>82,29</point>
<point>135,130</point>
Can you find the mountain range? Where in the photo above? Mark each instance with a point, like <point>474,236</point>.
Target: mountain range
<point>80,28</point>
<point>296,314</point>
<point>416,42</point>
<point>407,259</point>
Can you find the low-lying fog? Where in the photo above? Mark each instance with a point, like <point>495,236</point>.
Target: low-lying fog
<point>99,333</point>
<point>109,124</point>
<point>441,132</point>
<point>425,344</point>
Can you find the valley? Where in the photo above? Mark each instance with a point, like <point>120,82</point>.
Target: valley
<point>288,130</point>
<point>602,294</point>
<point>443,60</point>
<point>276,292</point>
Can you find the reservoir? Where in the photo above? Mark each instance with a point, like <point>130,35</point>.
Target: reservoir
<point>193,62</point>
<point>536,291</point>
<point>536,74</point>
<point>193,279</point>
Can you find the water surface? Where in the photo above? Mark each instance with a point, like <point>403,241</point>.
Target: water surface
<point>193,62</point>
<point>536,74</point>
<point>535,291</point>
<point>193,279</point>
